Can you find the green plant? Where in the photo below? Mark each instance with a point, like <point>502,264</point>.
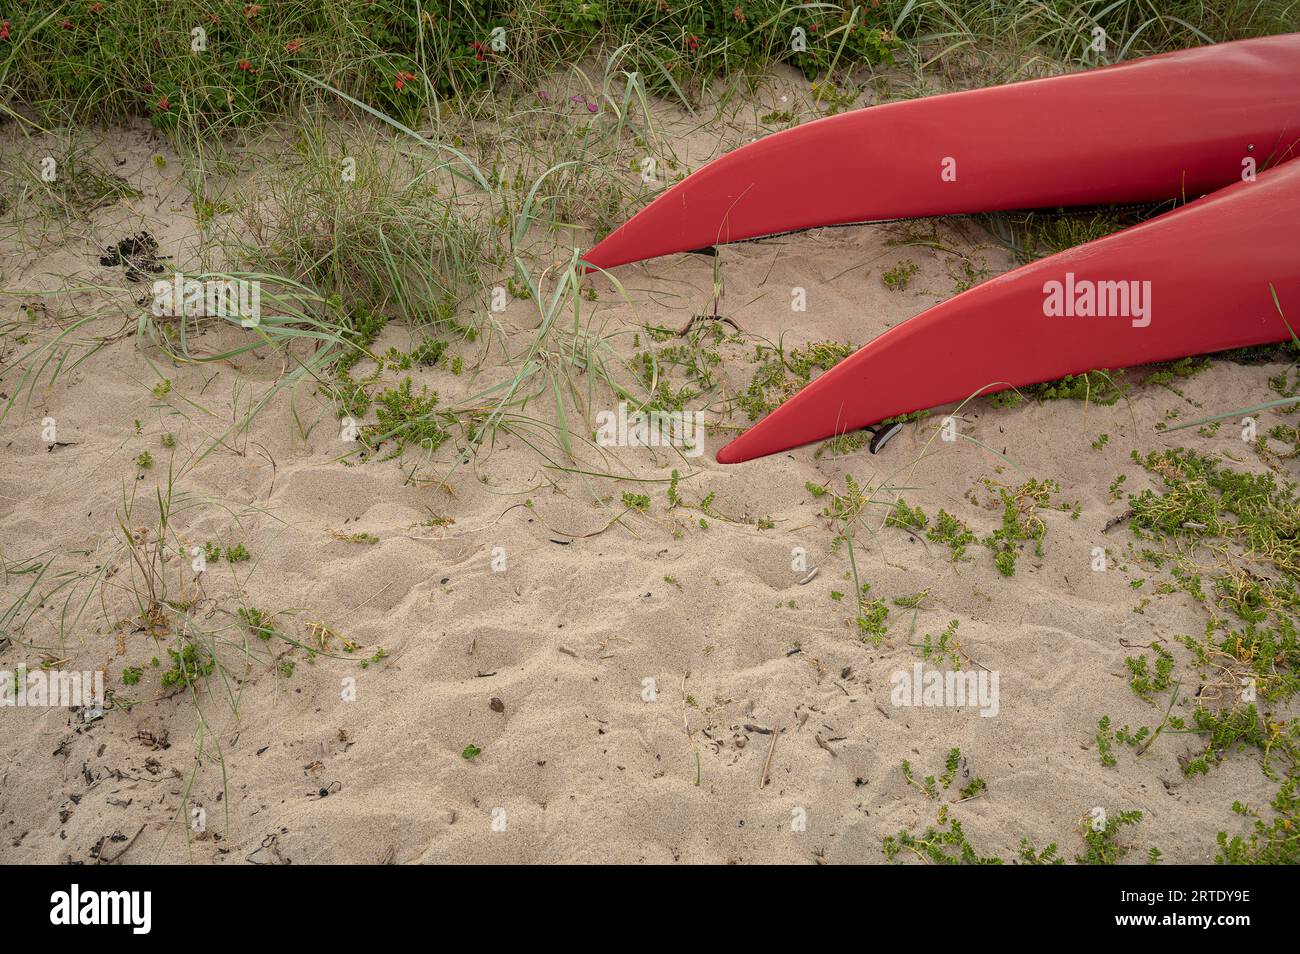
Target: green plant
<point>359,537</point>
<point>873,617</point>
<point>907,518</point>
<point>780,375</point>
<point>943,648</point>
<point>1274,843</point>
<point>1048,856</point>
<point>1102,840</point>
<point>951,532</point>
<point>901,275</point>
<point>913,601</point>
<point>1144,683</point>
<point>1243,726</point>
<point>938,844</point>
<point>407,418</point>
<point>1020,521</point>
<point>189,664</point>
<point>259,623</point>
<point>1105,739</point>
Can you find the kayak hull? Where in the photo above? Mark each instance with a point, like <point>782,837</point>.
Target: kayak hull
<point>1170,126</point>
<point>1199,279</point>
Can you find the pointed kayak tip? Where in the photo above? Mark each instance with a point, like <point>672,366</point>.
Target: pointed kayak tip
<point>597,258</point>
<point>730,454</point>
<point>741,449</point>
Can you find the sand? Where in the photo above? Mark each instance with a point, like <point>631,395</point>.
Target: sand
<point>630,684</point>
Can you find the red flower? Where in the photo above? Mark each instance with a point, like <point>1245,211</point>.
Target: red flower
<point>399,84</point>
<point>164,102</point>
<point>245,65</point>
<point>147,88</point>
<point>293,46</point>
<point>96,8</point>
<point>251,10</point>
<point>67,24</point>
<point>4,30</point>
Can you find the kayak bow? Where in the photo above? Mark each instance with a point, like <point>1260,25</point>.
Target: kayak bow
<point>1169,126</point>
<point>1199,279</point>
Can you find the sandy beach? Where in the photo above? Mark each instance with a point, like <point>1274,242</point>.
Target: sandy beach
<point>493,648</point>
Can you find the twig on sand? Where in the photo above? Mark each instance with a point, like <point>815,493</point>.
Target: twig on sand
<point>767,765</point>
<point>1115,521</point>
<point>372,596</point>
<point>696,318</point>
<point>125,848</point>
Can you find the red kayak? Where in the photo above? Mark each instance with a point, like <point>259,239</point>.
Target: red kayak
<point>1169,126</point>
<point>1192,281</point>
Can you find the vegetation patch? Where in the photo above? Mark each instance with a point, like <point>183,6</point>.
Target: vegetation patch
<point>781,375</point>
